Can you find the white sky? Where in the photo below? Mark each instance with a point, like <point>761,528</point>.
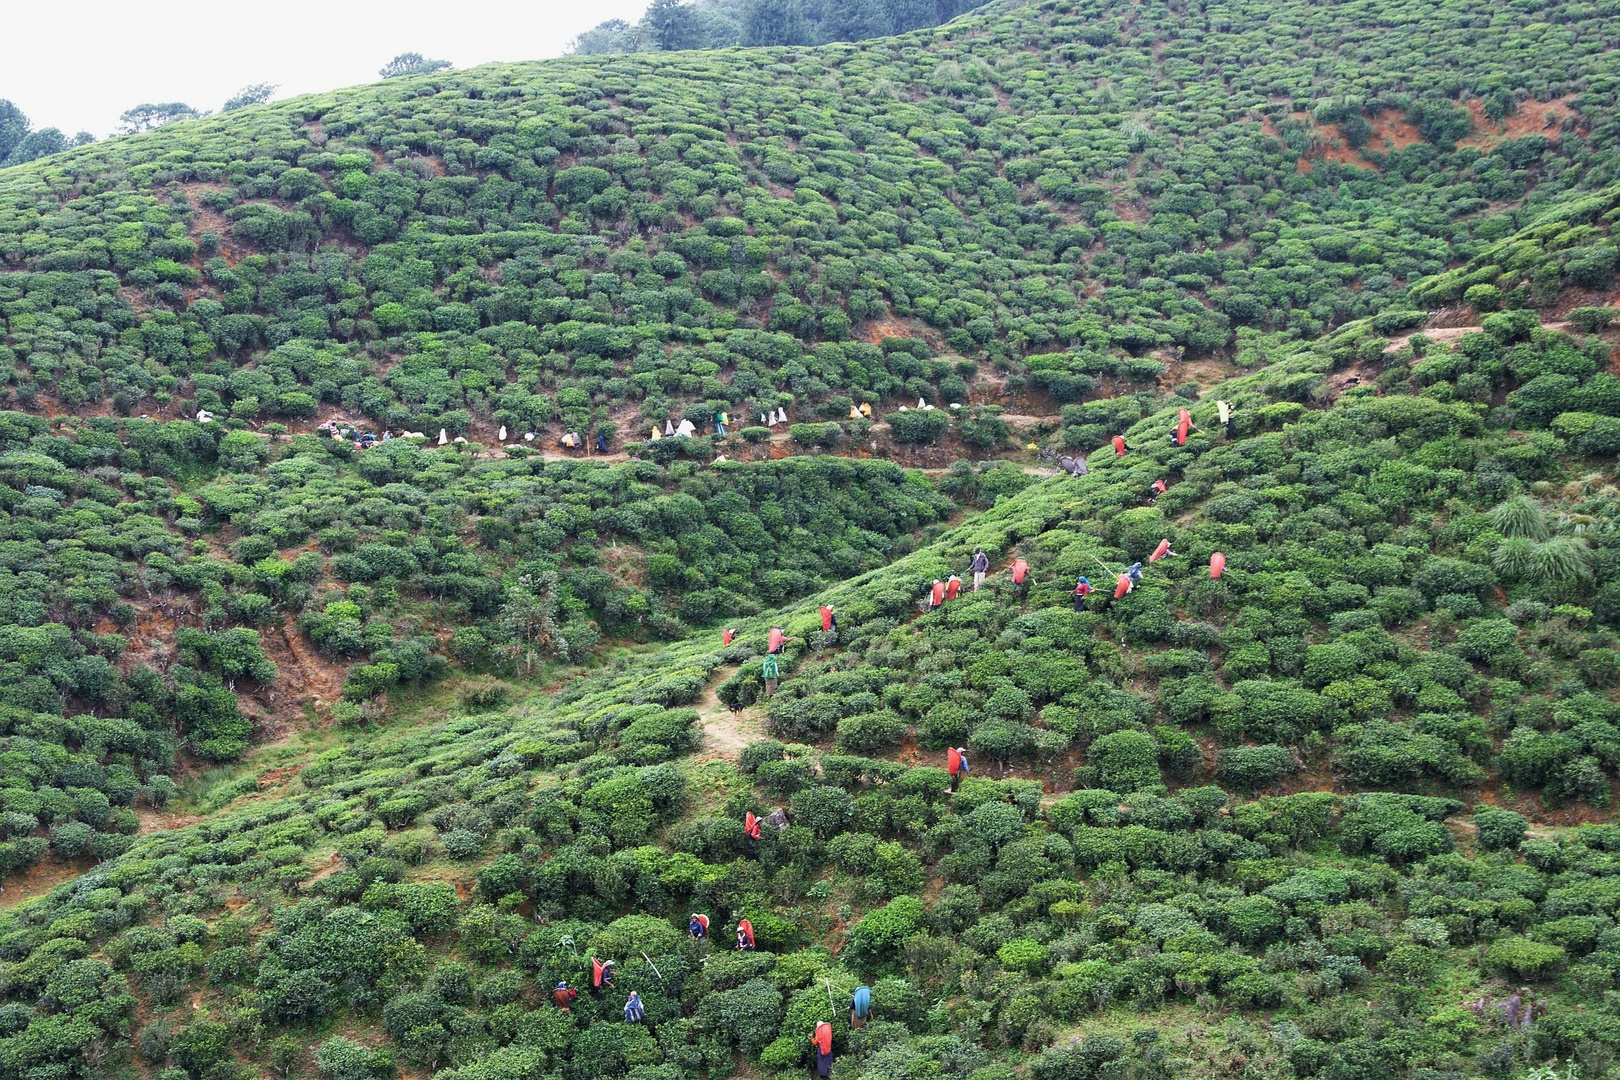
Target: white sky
<point>78,65</point>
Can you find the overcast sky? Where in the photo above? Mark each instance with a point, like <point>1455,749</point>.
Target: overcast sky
<point>76,66</point>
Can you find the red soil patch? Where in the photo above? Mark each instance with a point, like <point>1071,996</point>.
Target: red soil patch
<point>1531,118</point>
<point>205,219</point>
<point>274,778</point>
<point>1393,131</point>
<point>306,677</point>
<point>333,866</point>
<point>36,881</point>
<point>892,326</point>
<point>160,821</point>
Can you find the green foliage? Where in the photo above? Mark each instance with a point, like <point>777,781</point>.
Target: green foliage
<point>1522,958</point>
<point>918,426</point>
<point>1125,760</point>
<point>1499,829</point>
<point>875,942</point>
<point>339,1058</point>
<point>1055,194</point>
<point>1250,767</point>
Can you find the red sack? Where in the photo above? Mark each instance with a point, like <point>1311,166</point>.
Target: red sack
<point>1123,587</point>
<point>1119,446</point>
<point>826,618</point>
<point>775,640</point>
<point>726,636</point>
<point>1020,568</point>
<point>751,826</point>
<point>1217,564</point>
<point>953,761</point>
<point>1159,552</point>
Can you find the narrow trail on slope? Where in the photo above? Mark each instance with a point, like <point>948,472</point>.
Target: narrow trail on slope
<point>726,733</point>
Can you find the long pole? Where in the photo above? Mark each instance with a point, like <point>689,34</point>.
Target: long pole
<point>831,1008</point>
<point>652,965</point>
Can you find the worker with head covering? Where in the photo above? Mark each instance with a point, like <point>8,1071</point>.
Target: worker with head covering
<point>822,1040</point>
<point>860,1008</point>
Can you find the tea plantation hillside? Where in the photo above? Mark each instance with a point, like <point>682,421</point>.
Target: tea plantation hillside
<point>324,756</point>
<point>1061,193</point>
<point>1291,820</point>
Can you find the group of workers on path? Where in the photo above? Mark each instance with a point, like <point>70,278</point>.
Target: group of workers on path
<point>698,926</point>
<point>949,588</point>
<point>821,1040</point>
<point>635,1011</point>
<point>1128,579</point>
<point>564,995</point>
<point>1076,465</point>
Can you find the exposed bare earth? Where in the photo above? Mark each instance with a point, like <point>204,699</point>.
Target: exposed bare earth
<point>726,733</point>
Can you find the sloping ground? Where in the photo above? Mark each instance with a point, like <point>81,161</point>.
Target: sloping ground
<point>566,797</point>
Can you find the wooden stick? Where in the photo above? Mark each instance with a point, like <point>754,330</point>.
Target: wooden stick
<point>652,965</point>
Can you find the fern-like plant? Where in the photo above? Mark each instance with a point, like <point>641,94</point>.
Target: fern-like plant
<point>1512,559</point>
<point>1560,560</point>
<point>1520,517</point>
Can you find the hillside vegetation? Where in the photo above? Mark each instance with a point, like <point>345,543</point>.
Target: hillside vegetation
<point>329,760</point>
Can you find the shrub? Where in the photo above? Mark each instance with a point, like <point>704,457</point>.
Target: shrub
<point>1079,1060</point>
<point>1499,829</point>
<point>875,941</point>
<point>825,811</point>
<point>1591,320</point>
<point>918,425</point>
<point>1398,827</point>
<point>1522,958</point>
<point>339,1058</point>
<point>749,1016</point>
<point>1023,954</point>
<point>1483,297</point>
<point>1125,760</point>
<point>482,692</point>
<point>869,732</point>
<point>72,839</point>
<point>1251,767</point>
<point>758,753</point>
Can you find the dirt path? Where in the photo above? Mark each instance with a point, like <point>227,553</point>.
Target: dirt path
<point>1445,335</point>
<point>725,733</point>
